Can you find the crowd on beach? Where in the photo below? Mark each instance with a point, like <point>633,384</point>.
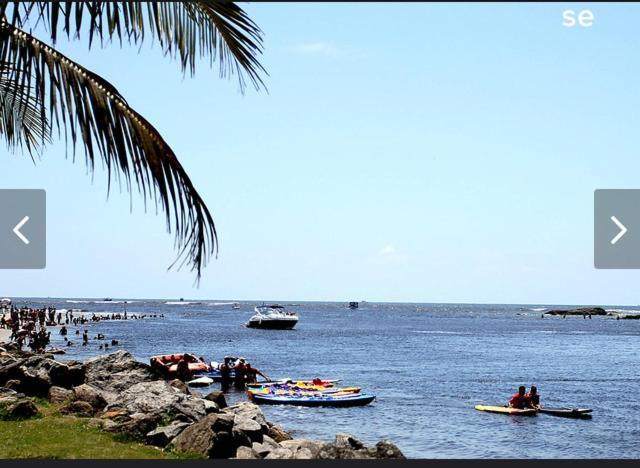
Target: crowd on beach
<point>29,326</point>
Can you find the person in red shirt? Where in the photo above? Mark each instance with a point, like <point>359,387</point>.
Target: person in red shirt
<point>519,400</point>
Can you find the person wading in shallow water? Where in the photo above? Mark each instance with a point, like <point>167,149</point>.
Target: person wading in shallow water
<point>251,374</point>
<point>240,377</point>
<point>225,377</point>
<point>183,371</point>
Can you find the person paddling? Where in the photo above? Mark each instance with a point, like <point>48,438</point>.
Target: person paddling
<point>519,399</point>
<point>532,399</point>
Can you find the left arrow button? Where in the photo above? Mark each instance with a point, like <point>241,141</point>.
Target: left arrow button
<point>16,230</point>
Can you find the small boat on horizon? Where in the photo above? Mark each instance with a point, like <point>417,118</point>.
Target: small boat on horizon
<point>353,305</point>
<point>272,317</point>
<point>235,306</point>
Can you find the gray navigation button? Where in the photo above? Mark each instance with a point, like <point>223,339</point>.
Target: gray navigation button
<point>23,229</point>
<point>616,229</point>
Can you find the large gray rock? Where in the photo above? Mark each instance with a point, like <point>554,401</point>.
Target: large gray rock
<point>59,395</point>
<point>249,427</point>
<point>579,311</point>
<point>218,398</point>
<point>91,395</point>
<point>312,446</point>
<point>137,426</point>
<point>117,372</point>
<point>161,436</point>
<point>246,453</point>
<point>199,438</point>
<point>344,440</point>
<point>279,454</point>
<point>158,396</point>
<point>34,381</point>
<point>210,437</point>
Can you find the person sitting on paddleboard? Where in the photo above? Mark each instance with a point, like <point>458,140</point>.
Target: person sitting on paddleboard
<point>519,399</point>
<point>533,398</point>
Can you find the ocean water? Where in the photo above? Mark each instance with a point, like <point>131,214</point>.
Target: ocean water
<point>428,365</point>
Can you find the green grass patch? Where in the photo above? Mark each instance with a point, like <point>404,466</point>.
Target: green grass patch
<point>54,436</point>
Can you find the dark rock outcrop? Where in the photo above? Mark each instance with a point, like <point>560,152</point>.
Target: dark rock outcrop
<point>161,436</point>
<point>22,409</point>
<point>218,398</point>
<point>579,311</point>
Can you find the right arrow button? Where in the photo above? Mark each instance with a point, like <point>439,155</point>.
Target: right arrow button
<point>623,230</point>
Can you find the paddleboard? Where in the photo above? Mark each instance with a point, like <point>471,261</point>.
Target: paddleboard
<point>578,413</point>
<point>201,382</point>
<point>507,410</point>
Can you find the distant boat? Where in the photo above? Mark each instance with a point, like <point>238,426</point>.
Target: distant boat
<point>353,305</point>
<point>107,299</point>
<point>235,306</point>
<point>273,317</point>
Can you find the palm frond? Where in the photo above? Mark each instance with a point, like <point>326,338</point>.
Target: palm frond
<point>219,30</point>
<point>22,122</point>
<point>94,115</point>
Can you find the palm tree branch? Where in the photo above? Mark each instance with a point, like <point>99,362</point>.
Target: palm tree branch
<point>22,122</point>
<point>95,116</point>
<point>220,30</point>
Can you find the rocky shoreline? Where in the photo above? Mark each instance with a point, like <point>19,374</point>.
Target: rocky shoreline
<point>123,396</point>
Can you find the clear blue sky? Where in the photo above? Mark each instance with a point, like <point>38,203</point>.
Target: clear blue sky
<point>409,152</point>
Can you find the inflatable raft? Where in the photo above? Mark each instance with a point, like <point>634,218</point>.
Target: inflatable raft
<point>168,364</point>
<point>507,410</point>
<point>342,401</point>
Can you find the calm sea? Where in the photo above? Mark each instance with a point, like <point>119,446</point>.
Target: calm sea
<point>428,364</point>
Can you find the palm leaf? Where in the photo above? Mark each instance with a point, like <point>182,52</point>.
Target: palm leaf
<point>94,115</point>
<point>187,30</point>
<point>22,122</point>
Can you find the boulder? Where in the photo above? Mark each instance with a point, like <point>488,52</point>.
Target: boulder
<point>344,440</point>
<point>303,454</point>
<point>249,427</point>
<point>35,381</point>
<point>137,426</point>
<point>78,408</point>
<point>22,409</point>
<point>218,398</point>
<point>199,438</point>
<point>91,395</point>
<point>387,449</point>
<point>158,396</point>
<point>8,396</point>
<point>161,436</point>
<point>59,395</point>
<point>296,445</point>
<point>180,385</point>
<point>117,372</point>
<point>10,370</point>
<point>211,437</point>
<point>277,433</point>
<point>210,407</point>
<point>240,439</point>
<point>279,454</point>
<point>13,384</point>
<point>246,453</point>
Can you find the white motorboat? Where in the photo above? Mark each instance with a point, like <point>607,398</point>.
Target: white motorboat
<point>273,317</point>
